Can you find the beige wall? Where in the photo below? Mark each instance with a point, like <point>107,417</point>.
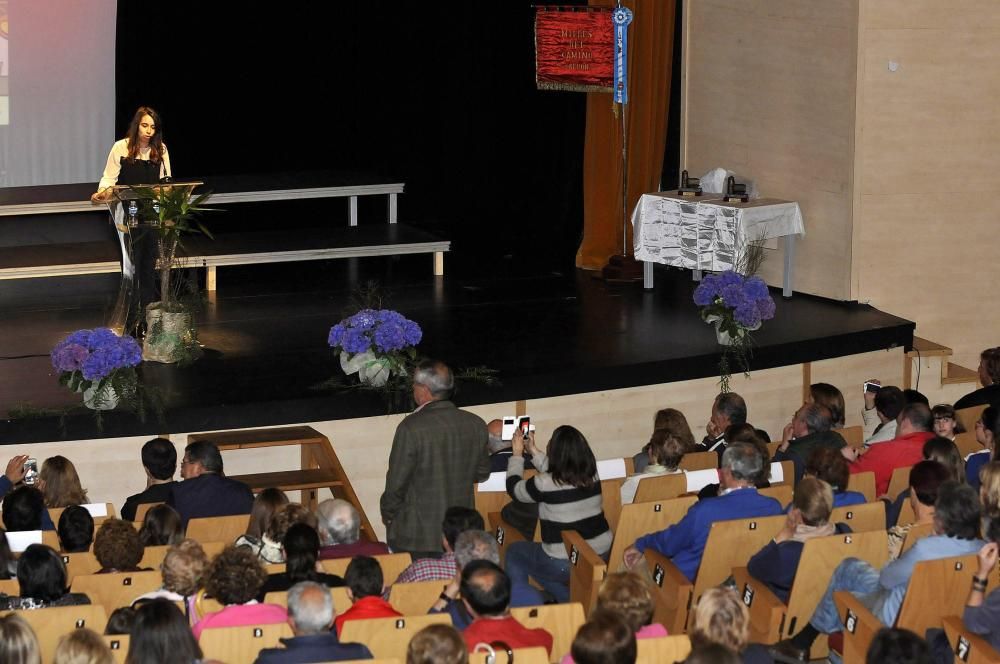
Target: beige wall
<point>616,422</point>
<point>768,92</point>
<point>896,171</point>
<point>928,161</point>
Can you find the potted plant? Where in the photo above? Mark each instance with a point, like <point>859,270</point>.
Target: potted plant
<point>100,364</point>
<point>171,213</point>
<point>377,344</point>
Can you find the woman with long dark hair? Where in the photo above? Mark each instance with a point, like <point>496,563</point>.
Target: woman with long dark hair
<point>568,493</point>
<point>161,635</point>
<point>139,158</point>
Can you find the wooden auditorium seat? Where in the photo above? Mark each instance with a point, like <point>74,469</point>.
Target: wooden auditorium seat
<point>730,544</point>
<point>416,598</point>
<point>661,487</point>
<point>640,519</point>
<point>917,532</point>
<point>861,518</point>
<point>781,492</point>
<point>50,624</point>
<point>663,649</point>
<point>78,564</point>
<point>560,620</point>
<point>118,645</point>
<point>218,528</point>
<point>899,482</point>
<point>937,588</point>
<point>863,483</point>
<point>116,590</point>
<point>906,515</point>
<point>153,556</point>
<point>109,512</point>
<point>967,443</point>
<point>969,416</point>
<point>968,647</point>
<point>388,637</point>
<point>241,644</point>
<point>699,461</point>
<point>854,436</point>
<point>587,570</point>
<point>392,565</point>
<point>140,512</point>
<point>772,620</point>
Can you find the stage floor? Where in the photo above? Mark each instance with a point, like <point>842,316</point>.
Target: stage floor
<point>265,335</point>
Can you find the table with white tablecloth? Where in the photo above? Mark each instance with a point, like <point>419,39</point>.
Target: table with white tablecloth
<point>706,233</point>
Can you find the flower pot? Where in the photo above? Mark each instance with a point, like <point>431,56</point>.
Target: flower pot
<point>169,335</point>
<point>100,397</point>
<point>725,338</point>
<point>371,370</point>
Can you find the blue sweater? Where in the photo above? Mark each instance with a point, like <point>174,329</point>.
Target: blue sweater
<point>684,542</point>
<point>776,564</point>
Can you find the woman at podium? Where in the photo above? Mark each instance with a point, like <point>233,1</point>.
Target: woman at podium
<point>139,158</point>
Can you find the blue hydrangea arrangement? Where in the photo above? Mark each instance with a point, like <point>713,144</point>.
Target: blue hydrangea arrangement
<point>737,305</point>
<point>376,343</point>
<point>97,359</point>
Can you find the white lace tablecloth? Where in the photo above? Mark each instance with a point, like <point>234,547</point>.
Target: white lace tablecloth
<point>706,233</point>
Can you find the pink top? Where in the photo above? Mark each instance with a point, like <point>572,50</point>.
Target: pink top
<point>241,614</point>
<point>647,632</point>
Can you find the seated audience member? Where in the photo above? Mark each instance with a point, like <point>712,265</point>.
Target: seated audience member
<point>60,484</point>
<point>880,412</point>
<point>159,460</point>
<point>937,449</point>
<point>722,618</point>
<point>956,525</point>
<point>161,635</point>
<point>478,545</point>
<point>161,527</point>
<point>24,509</point>
<point>285,517</point>
<point>499,449</point>
<point>711,653</point>
<point>987,433</point>
<point>437,644</point>
<point>946,423</point>
<point>18,642</point>
<point>8,563</point>
<point>82,646</point>
<point>898,646</point>
<point>486,594</point>
<point>809,430</point>
<point>265,505</point>
<point>828,396</point>
<point>627,595</point>
<point>456,521</point>
<point>913,396</point>
<point>603,639</point>
<point>120,621</point>
<point>183,570</point>
<point>339,527</point>
<point>675,423</point>
<point>364,588</point>
<point>728,409</point>
<point>745,433</point>
<point>665,452</point>
<point>982,612</point>
<point>117,547</point>
<point>234,579</point>
<point>14,473</point>
<point>926,477</point>
<point>76,529</point>
<point>808,518</point>
<point>41,580</point>
<point>829,465</point>
<point>568,493</point>
<point>912,430</point>
<point>310,613</point>
<point>989,490</point>
<point>684,542</point>
<point>301,548</point>
<point>989,376</point>
<point>206,491</point>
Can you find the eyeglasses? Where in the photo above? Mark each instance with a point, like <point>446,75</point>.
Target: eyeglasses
<point>939,418</point>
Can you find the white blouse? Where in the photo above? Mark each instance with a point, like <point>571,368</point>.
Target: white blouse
<point>114,165</point>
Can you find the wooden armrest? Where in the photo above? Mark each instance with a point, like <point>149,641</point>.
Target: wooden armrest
<point>860,625</point>
<point>587,570</point>
<point>673,592</point>
<point>968,647</point>
<point>505,533</point>
<point>767,611</point>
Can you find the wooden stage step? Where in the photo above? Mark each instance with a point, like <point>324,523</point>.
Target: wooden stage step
<point>958,374</point>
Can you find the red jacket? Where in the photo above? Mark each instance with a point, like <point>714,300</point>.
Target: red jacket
<point>883,458</point>
<point>366,607</point>
<point>508,630</point>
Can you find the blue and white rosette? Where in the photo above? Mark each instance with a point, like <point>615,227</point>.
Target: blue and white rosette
<point>621,17</point>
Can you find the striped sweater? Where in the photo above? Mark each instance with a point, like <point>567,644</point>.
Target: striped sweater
<point>560,507</point>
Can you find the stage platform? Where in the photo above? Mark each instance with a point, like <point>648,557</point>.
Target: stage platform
<point>548,335</point>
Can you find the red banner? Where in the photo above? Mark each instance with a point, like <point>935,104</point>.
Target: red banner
<point>574,50</point>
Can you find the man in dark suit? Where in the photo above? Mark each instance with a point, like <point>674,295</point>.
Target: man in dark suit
<point>438,454</point>
<point>310,613</point>
<point>159,460</point>
<point>205,491</point>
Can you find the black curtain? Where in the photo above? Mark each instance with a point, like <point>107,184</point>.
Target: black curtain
<point>441,97</point>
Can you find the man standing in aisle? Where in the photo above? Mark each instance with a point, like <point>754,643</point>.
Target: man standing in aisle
<point>438,454</point>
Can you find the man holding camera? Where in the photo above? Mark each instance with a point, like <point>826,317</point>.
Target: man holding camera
<point>438,454</point>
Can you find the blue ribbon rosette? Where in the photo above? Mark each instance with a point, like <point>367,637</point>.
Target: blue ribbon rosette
<point>621,17</point>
